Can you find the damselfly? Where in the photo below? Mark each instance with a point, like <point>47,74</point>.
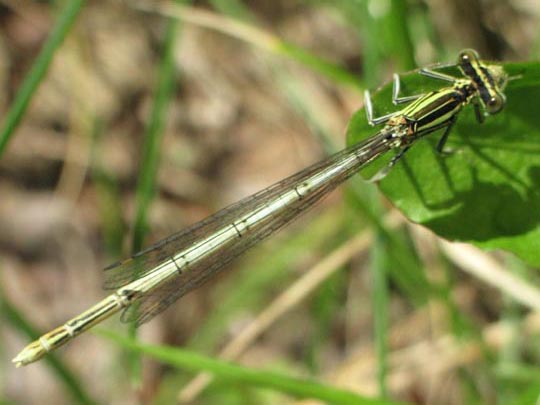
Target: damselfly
<point>153,279</point>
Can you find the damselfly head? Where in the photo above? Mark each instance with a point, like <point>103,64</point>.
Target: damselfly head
<point>489,80</point>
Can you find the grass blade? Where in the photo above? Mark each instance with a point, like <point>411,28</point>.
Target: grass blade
<point>153,136</point>
<point>152,144</point>
<point>38,70</point>
<point>298,387</point>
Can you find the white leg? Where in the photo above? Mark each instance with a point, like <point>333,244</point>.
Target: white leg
<point>395,93</point>
<point>369,111</point>
<point>437,75</point>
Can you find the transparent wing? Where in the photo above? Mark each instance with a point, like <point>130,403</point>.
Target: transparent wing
<point>160,298</point>
<point>145,261</point>
<point>155,301</point>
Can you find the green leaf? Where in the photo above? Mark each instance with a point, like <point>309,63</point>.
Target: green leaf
<point>486,190</point>
<point>298,387</point>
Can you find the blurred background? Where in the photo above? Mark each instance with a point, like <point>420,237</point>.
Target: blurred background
<point>146,124</point>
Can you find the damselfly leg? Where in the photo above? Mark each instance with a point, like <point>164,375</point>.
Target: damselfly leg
<point>447,125</point>
<point>381,174</point>
<point>396,88</point>
<point>369,112</point>
<point>478,111</point>
<point>412,114</point>
<point>437,75</point>
<point>448,128</point>
<point>396,99</point>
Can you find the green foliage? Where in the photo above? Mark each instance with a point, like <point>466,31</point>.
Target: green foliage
<point>155,129</point>
<point>297,387</point>
<point>485,191</point>
<point>39,70</point>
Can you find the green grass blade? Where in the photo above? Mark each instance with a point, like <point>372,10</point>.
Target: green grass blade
<point>70,381</point>
<point>146,186</point>
<point>332,71</point>
<point>384,30</point>
<point>407,273</point>
<point>400,41</point>
<point>298,387</point>
<point>38,71</point>
<point>154,133</point>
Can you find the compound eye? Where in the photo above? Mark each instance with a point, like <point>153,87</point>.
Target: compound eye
<point>468,56</point>
<point>495,104</point>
